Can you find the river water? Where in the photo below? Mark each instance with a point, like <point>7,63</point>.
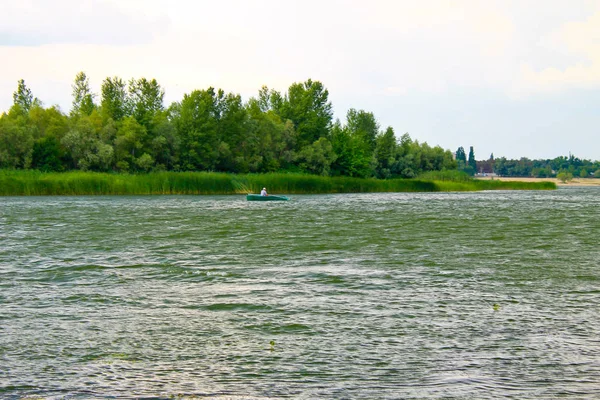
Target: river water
<point>426,295</point>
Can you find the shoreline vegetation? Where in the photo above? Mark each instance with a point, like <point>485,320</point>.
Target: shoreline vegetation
<point>36,183</point>
<point>127,131</point>
<point>573,182</point>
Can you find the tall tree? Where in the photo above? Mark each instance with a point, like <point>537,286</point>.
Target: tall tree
<point>23,96</point>
<point>307,106</point>
<point>269,141</point>
<point>363,125</point>
<point>114,103</point>
<point>84,148</point>
<point>16,139</point>
<point>145,100</point>
<point>83,98</point>
<point>195,119</point>
<point>472,163</point>
<point>385,153</point>
<point>129,144</point>
<point>461,155</point>
<point>232,131</point>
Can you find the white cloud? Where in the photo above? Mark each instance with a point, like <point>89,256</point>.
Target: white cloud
<point>36,22</point>
<point>379,55</point>
<point>578,38</point>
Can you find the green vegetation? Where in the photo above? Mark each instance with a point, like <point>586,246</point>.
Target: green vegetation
<point>17,183</point>
<point>564,176</point>
<point>289,138</point>
<point>557,167</point>
<point>130,130</point>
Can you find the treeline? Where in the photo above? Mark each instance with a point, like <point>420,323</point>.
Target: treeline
<point>127,128</point>
<point>524,167</point>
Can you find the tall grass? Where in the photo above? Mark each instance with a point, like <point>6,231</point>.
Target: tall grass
<point>446,175</point>
<point>35,183</point>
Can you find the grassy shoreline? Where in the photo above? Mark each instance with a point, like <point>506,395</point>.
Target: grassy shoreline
<point>35,183</point>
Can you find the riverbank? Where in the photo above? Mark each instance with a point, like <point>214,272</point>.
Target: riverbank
<point>35,183</point>
<point>557,182</point>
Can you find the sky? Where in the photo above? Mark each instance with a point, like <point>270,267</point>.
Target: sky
<point>516,78</point>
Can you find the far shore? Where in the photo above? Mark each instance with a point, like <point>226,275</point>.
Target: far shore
<point>574,182</point>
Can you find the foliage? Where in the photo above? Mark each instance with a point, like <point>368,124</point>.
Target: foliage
<point>307,105</point>
<point>23,97</point>
<point>471,161</point>
<point>83,98</point>
<point>446,175</point>
<point>564,176</point>
<point>14,182</point>
<point>544,168</point>
<point>131,130</point>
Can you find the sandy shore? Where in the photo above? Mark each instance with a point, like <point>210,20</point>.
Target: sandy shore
<point>574,182</point>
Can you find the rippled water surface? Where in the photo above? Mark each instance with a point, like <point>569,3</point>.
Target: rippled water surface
<point>455,295</point>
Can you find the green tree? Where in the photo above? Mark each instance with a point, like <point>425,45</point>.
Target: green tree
<point>165,143</point>
<point>114,104</point>
<point>461,156</point>
<point>235,149</point>
<point>352,157</point>
<point>23,97</point>
<point>83,98</point>
<point>406,165</point>
<point>47,155</point>
<point>363,125</point>
<point>129,143</point>
<point>195,119</point>
<point>145,100</point>
<point>385,153</point>
<point>317,158</point>
<point>84,148</point>
<point>564,176</point>
<point>16,139</point>
<point>269,140</point>
<point>471,162</point>
<point>307,106</point>
<point>48,122</point>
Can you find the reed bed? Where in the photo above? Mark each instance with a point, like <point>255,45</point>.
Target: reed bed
<point>35,183</point>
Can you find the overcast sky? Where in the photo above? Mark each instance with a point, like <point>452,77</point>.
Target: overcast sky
<point>513,78</point>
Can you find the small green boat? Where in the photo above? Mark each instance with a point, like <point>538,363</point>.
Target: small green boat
<point>258,197</point>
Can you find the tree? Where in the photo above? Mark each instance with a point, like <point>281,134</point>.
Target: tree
<point>48,122</point>
<point>472,163</point>
<point>317,158</point>
<point>83,98</point>
<point>307,106</point>
<point>129,143</point>
<point>461,156</point>
<point>269,141</point>
<point>165,143</point>
<point>385,153</point>
<point>22,96</point>
<point>47,155</point>
<point>232,131</point>
<point>195,119</point>
<point>363,125</point>
<point>16,139</point>
<point>564,176</point>
<point>145,100</point>
<point>352,157</point>
<point>84,148</point>
<point>114,104</point>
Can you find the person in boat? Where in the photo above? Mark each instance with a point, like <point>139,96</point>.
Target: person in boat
<point>264,192</point>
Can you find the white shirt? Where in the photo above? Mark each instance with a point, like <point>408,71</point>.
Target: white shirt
<point>263,192</point>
